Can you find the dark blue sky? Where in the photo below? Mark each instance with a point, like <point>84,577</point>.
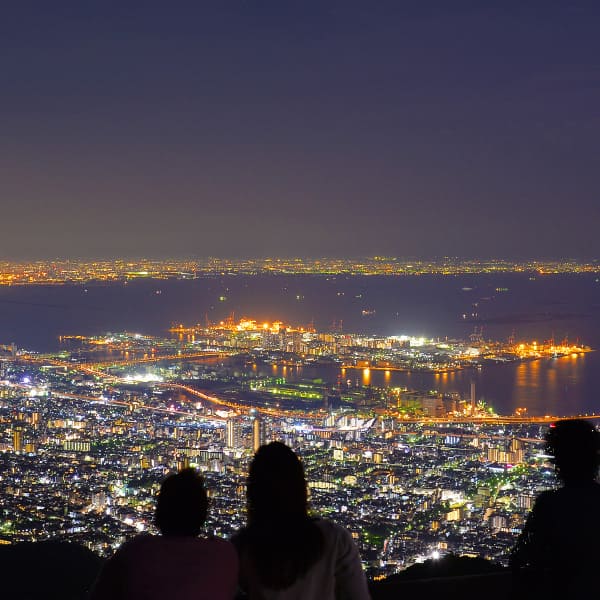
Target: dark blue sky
<point>341,128</point>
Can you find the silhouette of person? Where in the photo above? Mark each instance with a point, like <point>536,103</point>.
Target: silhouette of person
<point>559,547</point>
<point>178,563</point>
<point>284,553</point>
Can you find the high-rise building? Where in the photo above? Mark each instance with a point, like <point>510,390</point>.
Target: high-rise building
<point>18,439</point>
<point>258,433</point>
<point>473,397</point>
<point>183,462</point>
<point>231,434</point>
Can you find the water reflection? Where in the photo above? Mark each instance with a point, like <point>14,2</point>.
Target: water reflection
<point>559,386</point>
<point>366,377</point>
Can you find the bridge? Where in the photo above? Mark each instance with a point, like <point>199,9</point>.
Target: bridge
<point>157,358</point>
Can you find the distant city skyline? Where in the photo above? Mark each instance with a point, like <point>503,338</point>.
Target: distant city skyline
<point>76,271</point>
<point>166,258</point>
<point>324,128</point>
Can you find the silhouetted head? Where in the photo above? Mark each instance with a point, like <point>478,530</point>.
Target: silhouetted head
<point>276,485</point>
<point>574,445</point>
<point>182,504</point>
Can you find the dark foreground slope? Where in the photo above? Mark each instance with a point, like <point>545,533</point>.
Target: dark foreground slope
<point>63,570</point>
<point>448,577</point>
<point>47,570</point>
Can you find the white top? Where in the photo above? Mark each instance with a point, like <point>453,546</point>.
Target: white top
<point>337,575</point>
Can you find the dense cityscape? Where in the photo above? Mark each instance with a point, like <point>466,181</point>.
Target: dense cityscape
<point>80,271</point>
<point>88,433</point>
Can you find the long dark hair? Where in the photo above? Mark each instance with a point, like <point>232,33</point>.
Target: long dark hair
<point>281,540</point>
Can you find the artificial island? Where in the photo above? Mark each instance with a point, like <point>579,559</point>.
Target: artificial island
<point>229,358</point>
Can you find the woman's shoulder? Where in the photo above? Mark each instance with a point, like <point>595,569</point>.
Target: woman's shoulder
<point>218,544</point>
<point>219,548</point>
<point>159,542</point>
<point>327,524</point>
<point>332,530</point>
<point>139,541</point>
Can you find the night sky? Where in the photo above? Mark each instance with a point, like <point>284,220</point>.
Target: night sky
<point>299,128</point>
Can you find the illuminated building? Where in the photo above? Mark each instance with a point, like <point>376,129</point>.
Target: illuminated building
<point>231,437</point>
<point>76,446</point>
<point>258,435</point>
<point>18,439</point>
<point>183,462</point>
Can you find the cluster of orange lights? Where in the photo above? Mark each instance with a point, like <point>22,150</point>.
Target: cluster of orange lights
<point>251,325</point>
<point>549,349</point>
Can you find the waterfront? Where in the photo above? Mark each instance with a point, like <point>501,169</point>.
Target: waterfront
<point>496,306</point>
